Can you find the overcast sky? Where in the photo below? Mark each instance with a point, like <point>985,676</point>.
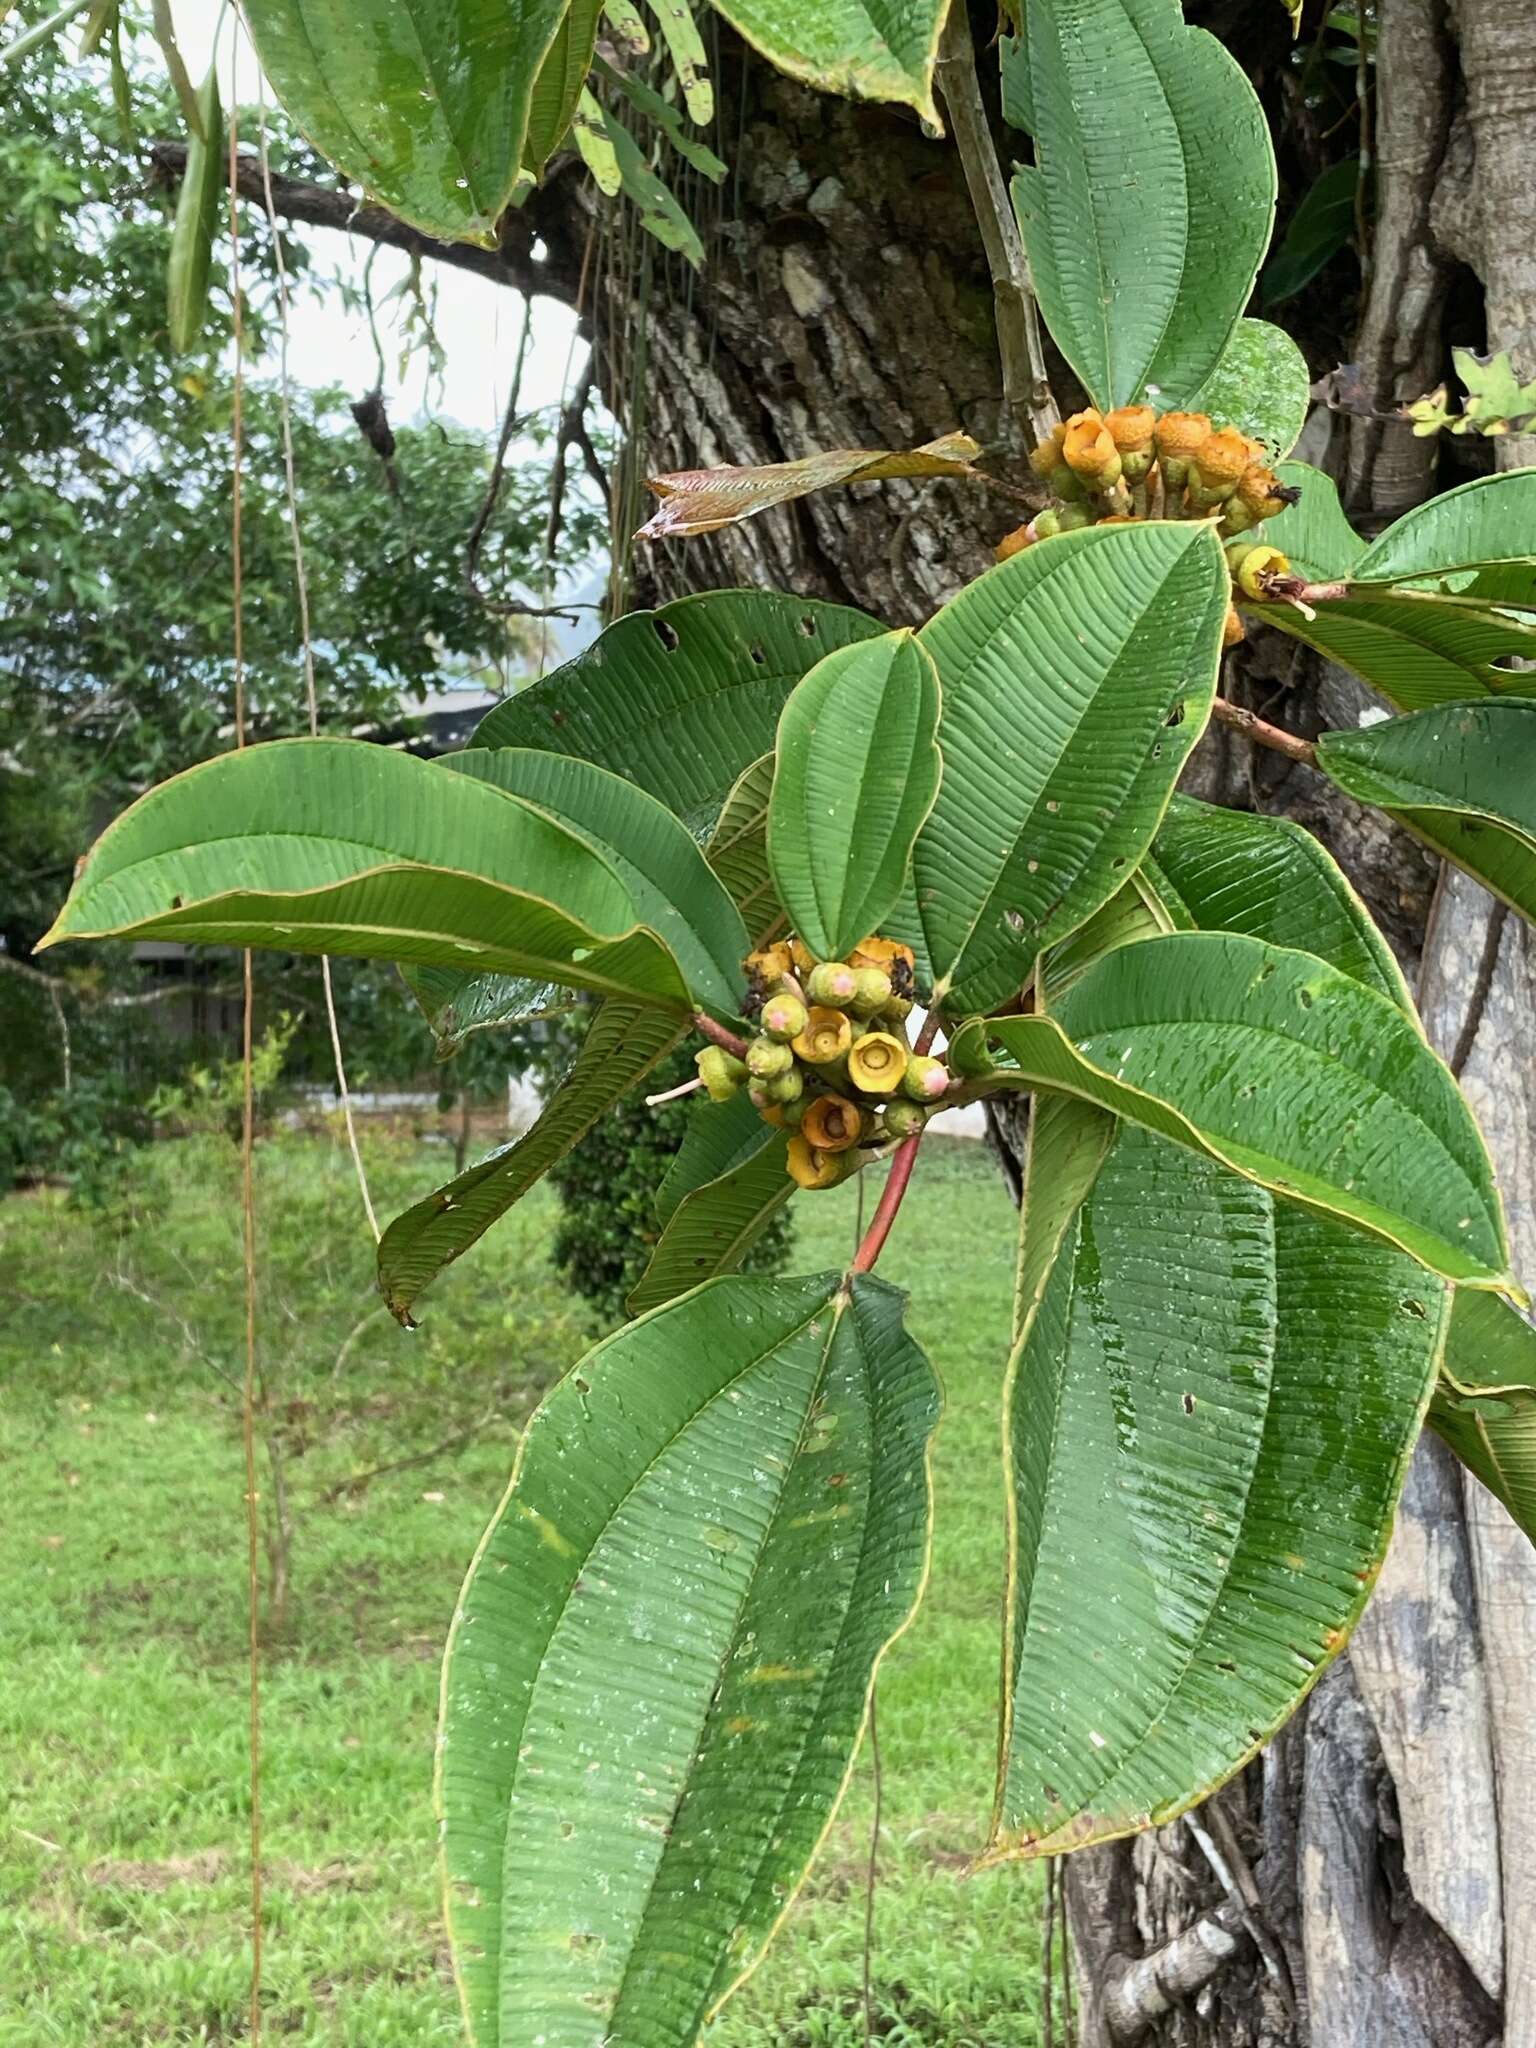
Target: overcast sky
<point>478,323</point>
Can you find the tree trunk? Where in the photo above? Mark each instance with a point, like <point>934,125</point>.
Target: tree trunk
<point>1381,1856</point>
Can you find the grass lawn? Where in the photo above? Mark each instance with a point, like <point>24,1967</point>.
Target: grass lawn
<point>122,1572</point>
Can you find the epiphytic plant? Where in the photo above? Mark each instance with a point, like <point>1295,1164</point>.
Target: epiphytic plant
<point>1260,1237</point>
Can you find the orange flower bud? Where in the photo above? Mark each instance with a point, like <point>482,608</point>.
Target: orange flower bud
<point>1179,434</point>
<point>1089,451</point>
<point>1131,427</point>
<point>1222,458</point>
<point>1259,489</point>
<point>877,952</point>
<point>832,1124</point>
<point>802,956</point>
<point>1014,543</point>
<point>1233,630</point>
<point>826,1037</point>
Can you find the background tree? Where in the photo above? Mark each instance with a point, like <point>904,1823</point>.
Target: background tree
<point>1380,1858</point>
<point>116,605</point>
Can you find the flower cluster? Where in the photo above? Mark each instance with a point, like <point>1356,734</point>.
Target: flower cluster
<point>1108,469</point>
<point>831,1060</point>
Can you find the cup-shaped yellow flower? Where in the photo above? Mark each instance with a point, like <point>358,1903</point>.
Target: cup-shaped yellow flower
<point>810,1167</point>
<point>878,1063</point>
<point>826,1037</point>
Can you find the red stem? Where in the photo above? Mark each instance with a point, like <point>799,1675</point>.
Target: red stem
<point>929,1032</point>
<point>903,1159</point>
<point>718,1035</point>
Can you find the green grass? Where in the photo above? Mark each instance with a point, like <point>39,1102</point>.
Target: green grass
<point>123,1804</point>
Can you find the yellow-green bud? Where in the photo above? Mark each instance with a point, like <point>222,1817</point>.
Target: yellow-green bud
<point>786,1087</point>
<point>833,985</point>
<point>904,1119</point>
<point>766,1057</point>
<point>1066,483</point>
<point>1047,523</point>
<point>1072,518</point>
<point>873,991</point>
<point>877,1063</point>
<point>783,1017</point>
<point>926,1078</point>
<point>720,1071</point>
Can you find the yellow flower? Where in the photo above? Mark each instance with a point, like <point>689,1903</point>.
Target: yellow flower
<point>810,1167</point>
<point>878,1063</point>
<point>832,1124</point>
<point>826,1037</point>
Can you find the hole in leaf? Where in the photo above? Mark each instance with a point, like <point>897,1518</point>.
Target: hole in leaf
<point>1415,1308</point>
<point>1189,1404</point>
<point>759,656</point>
<point>808,626</point>
<point>1176,715</point>
<point>666,633</point>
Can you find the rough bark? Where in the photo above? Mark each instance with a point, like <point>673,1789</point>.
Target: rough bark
<point>1384,1849</point>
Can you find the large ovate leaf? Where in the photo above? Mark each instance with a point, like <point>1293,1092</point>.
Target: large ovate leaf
<point>697,501</point>
<point>662,1657</point>
<point>737,848</point>
<point>1077,677</point>
<point>679,700</point>
<point>1461,777</point>
<point>1278,1065</point>
<point>860,49</point>
<point>456,1004</point>
<point>1440,608</point>
<point>424,103</point>
<point>1260,385</point>
<point>1229,871</point>
<point>623,1042</point>
<point>1068,1142</point>
<point>1150,203</point>
<point>857,770</point>
<point>1209,1418</point>
<point>1484,1405</point>
<point>672,886</point>
<point>720,1135</point>
<point>1135,912</point>
<point>1319,228</point>
<point>713,1227</point>
<point>334,846</point>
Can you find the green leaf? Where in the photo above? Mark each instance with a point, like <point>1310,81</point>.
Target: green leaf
<point>1135,912</point>
<point>679,700</point>
<point>1319,229</point>
<point>163,25</point>
<point>862,49</point>
<point>720,1135</point>
<point>660,1665</point>
<point>1461,777</point>
<point>704,500</point>
<point>623,1042</point>
<point>1290,1072</point>
<point>1484,1404</point>
<point>1230,871</point>
<point>714,1227</point>
<point>1442,605</point>
<point>1261,386</point>
<point>1209,1418</point>
<point>197,222</point>
<point>424,103</point>
<point>1314,533</point>
<point>456,1004</point>
<point>1077,678</point>
<point>1068,1142</point>
<point>1013,61</point>
<point>1153,194</point>
<point>674,889</point>
<point>334,846</point>
<point>857,772</point>
<point>660,212</point>
<point>685,46</point>
<point>589,131</point>
<point>666,117</point>
<point>737,849</point>
<point>558,86</point>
